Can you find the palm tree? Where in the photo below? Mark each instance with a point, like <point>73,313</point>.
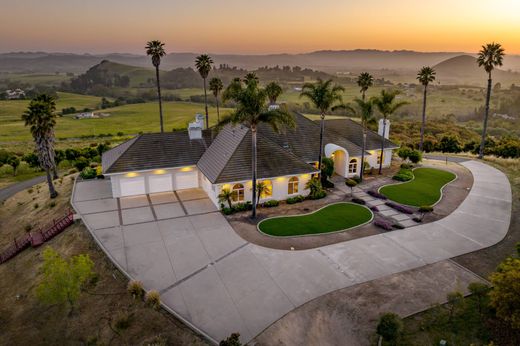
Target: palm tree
<point>365,110</point>
<point>365,81</point>
<point>325,96</point>
<point>273,90</point>
<point>489,57</point>
<point>203,65</point>
<point>386,105</point>
<point>155,49</point>
<point>252,110</point>
<point>426,75</point>
<point>40,116</point>
<point>216,86</point>
<point>226,195</point>
<point>251,77</point>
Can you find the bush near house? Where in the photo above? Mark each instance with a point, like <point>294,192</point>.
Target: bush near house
<point>295,199</point>
<point>88,173</point>
<point>271,203</point>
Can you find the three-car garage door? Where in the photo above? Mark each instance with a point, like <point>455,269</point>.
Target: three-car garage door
<point>131,186</point>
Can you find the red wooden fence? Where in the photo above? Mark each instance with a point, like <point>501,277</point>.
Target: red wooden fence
<point>37,238</point>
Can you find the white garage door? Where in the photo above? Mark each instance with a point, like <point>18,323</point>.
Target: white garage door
<point>160,183</point>
<point>132,186</point>
<point>186,180</point>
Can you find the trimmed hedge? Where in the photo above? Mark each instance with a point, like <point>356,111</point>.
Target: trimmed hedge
<point>359,201</point>
<point>403,175</point>
<point>376,194</point>
<point>381,223</point>
<point>271,203</point>
<point>400,208</point>
<point>295,199</point>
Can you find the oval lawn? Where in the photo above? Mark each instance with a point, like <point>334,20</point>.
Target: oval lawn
<point>424,189</point>
<point>332,218</point>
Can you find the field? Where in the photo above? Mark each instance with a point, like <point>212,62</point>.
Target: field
<point>424,189</point>
<point>332,218</point>
<point>34,78</point>
<point>129,119</point>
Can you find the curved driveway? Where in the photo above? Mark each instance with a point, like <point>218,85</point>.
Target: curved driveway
<point>219,283</point>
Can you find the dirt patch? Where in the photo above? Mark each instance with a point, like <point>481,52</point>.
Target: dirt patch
<point>25,321</point>
<point>349,316</point>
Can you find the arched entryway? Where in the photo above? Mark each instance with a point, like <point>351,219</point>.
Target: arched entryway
<point>340,157</point>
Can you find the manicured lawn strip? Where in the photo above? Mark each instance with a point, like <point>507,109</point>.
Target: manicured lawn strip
<point>332,218</point>
<point>425,189</point>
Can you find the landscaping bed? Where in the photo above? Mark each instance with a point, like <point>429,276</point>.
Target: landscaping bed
<point>424,189</point>
<point>332,218</point>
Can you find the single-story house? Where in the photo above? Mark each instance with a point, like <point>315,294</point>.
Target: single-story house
<point>204,158</point>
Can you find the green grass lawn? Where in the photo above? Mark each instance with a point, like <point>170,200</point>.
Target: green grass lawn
<point>425,189</point>
<point>332,218</point>
<point>129,119</point>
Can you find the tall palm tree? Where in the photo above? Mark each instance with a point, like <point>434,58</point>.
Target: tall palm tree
<point>252,110</point>
<point>489,57</point>
<point>324,95</point>
<point>216,86</point>
<point>364,81</point>
<point>273,90</point>
<point>365,111</point>
<point>40,116</point>
<point>203,65</point>
<point>426,75</point>
<point>155,49</point>
<point>387,105</point>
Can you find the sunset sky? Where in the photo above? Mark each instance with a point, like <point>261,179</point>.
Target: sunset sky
<point>268,26</point>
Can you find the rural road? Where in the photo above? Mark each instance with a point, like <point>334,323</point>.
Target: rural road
<point>10,190</point>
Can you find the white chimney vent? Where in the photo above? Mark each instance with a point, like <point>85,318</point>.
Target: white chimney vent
<point>195,128</point>
<point>387,128</point>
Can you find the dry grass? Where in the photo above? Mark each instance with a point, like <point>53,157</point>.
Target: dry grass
<point>105,314</point>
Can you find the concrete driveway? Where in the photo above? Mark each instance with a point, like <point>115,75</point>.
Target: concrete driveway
<point>218,283</point>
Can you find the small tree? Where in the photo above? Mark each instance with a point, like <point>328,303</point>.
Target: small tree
<point>404,153</point>
<point>226,195</point>
<point>505,296</point>
<point>351,183</point>
<point>479,292</point>
<point>261,189</point>
<point>14,162</point>
<point>232,340</point>
<point>455,300</point>
<point>63,280</point>
<point>327,167</point>
<point>389,327</point>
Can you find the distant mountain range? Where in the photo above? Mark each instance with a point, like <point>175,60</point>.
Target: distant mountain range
<point>328,61</point>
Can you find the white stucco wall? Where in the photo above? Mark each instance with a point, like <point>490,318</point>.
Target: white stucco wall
<point>280,188</point>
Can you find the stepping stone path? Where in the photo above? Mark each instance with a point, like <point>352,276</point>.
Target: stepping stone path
<point>385,212</point>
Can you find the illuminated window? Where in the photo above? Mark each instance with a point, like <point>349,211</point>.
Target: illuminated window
<point>267,190</point>
<point>352,166</point>
<point>379,157</point>
<point>292,188</point>
<point>238,193</point>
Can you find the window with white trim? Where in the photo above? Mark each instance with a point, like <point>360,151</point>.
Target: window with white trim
<point>292,186</point>
<point>352,166</point>
<point>238,193</point>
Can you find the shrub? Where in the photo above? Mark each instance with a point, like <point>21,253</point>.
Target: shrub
<point>415,156</point>
<point>359,201</point>
<point>397,225</point>
<point>135,288</point>
<point>400,208</point>
<point>81,163</point>
<point>327,184</point>
<point>36,205</point>
<point>425,209</point>
<point>52,204</point>
<point>327,167</point>
<point>153,299</point>
<point>271,203</point>
<point>404,153</point>
<point>30,190</point>
<point>389,327</point>
<point>232,340</point>
<point>316,190</point>
<point>295,199</point>
<point>243,206</point>
<point>374,208</point>
<point>356,178</point>
<point>376,194</point>
<point>403,175</point>
<point>123,322</point>
<point>406,166</point>
<point>381,223</point>
<point>228,211</point>
<point>88,173</point>
<point>318,195</point>
<point>72,171</point>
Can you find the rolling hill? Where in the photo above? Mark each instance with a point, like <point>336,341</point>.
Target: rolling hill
<point>465,68</point>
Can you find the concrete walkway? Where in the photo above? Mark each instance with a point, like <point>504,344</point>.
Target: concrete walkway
<point>220,284</point>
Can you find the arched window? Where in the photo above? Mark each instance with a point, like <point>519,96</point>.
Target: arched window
<point>238,193</point>
<point>352,166</point>
<point>268,189</point>
<point>292,187</point>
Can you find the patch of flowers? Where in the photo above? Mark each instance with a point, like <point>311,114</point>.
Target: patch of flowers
<point>400,208</point>
<point>376,194</point>
<point>382,223</point>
